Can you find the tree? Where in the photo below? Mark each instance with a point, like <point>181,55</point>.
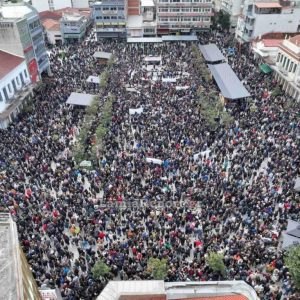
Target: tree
<point>292,261</point>
<point>215,262</point>
<point>158,268</point>
<point>100,270</point>
<point>277,91</point>
<point>223,19</point>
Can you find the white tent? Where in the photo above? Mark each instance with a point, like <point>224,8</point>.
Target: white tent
<point>297,185</point>
<point>152,58</point>
<point>80,99</point>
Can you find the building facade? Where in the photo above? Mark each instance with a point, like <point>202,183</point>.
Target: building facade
<point>110,19</point>
<point>21,34</point>
<point>183,16</point>
<point>259,18</point>
<point>288,66</point>
<point>73,27</point>
<point>233,8</point>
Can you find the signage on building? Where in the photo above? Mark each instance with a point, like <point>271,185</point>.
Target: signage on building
<point>48,294</point>
<point>33,70</point>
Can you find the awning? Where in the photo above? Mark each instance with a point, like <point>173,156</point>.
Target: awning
<point>229,84</point>
<point>265,68</point>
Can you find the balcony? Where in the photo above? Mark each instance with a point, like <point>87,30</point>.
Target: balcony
<point>109,12</point>
<point>185,4</point>
<point>185,14</point>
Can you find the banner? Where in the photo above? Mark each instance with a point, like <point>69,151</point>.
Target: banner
<point>133,111</point>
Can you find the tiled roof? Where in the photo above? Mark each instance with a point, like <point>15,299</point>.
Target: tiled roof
<point>271,42</point>
<point>51,25</point>
<point>8,63</point>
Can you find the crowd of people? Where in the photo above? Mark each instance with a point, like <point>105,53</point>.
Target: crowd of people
<point>166,186</point>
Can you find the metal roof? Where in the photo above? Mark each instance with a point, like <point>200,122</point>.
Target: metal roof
<point>229,84</point>
<point>211,53</point>
<point>80,99</point>
<point>288,238</point>
<point>101,54</point>
<point>144,40</point>
<point>177,38</point>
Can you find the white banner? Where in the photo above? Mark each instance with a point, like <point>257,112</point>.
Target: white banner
<point>133,111</point>
<point>154,160</point>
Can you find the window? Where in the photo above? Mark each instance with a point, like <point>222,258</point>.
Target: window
<point>113,8</point>
<point>1,98</point>
<point>106,18</point>
<point>206,19</point>
<point>18,80</point>
<point>163,9</point>
<point>105,8</point>
<point>195,19</point>
<point>25,73</point>
<point>196,9</point>
<point>186,19</point>
<point>278,57</point>
<point>121,8</point>
<point>120,17</point>
<point>99,18</point>
<point>177,1</point>
<point>207,9</point>
<point>294,70</point>
<point>185,9</point>
<point>113,17</point>
<point>291,66</point>
<point>14,85</point>
<point>173,19</point>
<point>22,79</point>
<point>9,87</point>
<point>163,19</point>
<point>174,9</point>
<point>164,1</point>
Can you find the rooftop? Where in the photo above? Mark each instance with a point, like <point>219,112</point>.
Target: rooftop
<point>15,11</point>
<point>267,5</point>
<point>271,42</point>
<point>295,40</point>
<point>8,63</point>
<point>51,25</point>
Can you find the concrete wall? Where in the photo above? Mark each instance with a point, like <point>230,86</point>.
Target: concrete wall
<point>7,80</point>
<point>285,22</point>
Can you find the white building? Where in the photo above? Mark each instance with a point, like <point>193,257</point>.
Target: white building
<point>266,50</point>
<point>14,77</point>
<point>259,18</point>
<point>288,66</point>
<point>233,8</point>
<point>43,5</point>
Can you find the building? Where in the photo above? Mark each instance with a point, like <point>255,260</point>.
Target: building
<point>73,27</point>
<point>141,18</point>
<point>288,66</point>
<point>14,86</point>
<point>233,8</point>
<point>66,25</point>
<point>16,280</point>
<point>110,18</point>
<point>266,50</point>
<point>160,290</point>
<point>21,34</point>
<point>183,16</point>
<point>43,5</point>
<point>259,18</point>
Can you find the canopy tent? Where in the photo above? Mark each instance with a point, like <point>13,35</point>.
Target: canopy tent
<point>291,236</point>
<point>179,38</point>
<point>102,55</point>
<point>265,68</point>
<point>144,40</point>
<point>211,53</point>
<point>93,79</point>
<point>228,83</point>
<point>167,79</point>
<point>297,184</point>
<point>80,99</point>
